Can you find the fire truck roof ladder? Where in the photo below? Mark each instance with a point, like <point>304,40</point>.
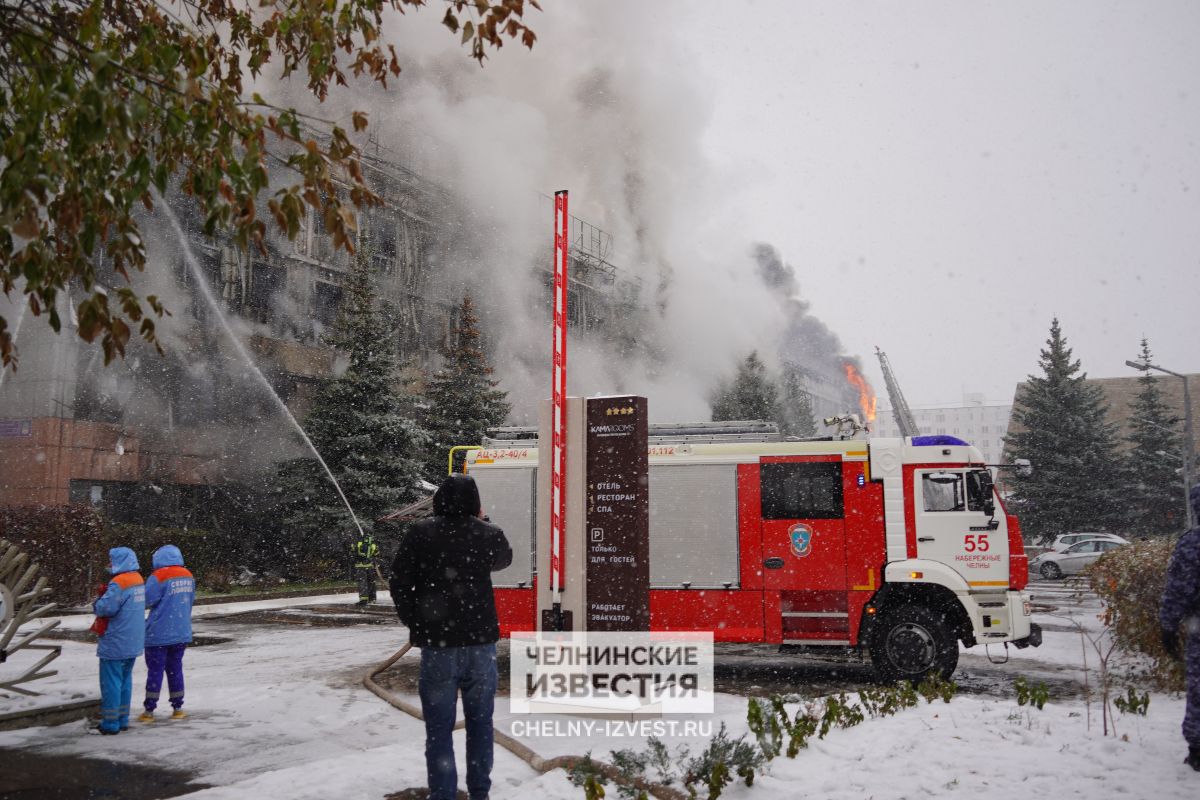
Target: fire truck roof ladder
<point>900,410</point>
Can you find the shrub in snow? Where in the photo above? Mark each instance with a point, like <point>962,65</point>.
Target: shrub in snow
<point>66,541</point>
<point>1132,702</point>
<point>769,718</point>
<point>716,765</point>
<point>1130,581</point>
<point>641,773</point>
<point>1035,695</point>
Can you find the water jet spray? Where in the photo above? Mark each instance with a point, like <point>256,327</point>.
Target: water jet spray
<point>210,298</point>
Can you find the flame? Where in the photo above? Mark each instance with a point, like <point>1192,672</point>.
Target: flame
<point>866,395</point>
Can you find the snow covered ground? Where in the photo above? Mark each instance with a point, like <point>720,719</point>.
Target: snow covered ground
<point>279,710</point>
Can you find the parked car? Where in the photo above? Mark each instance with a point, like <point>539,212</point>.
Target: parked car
<point>1067,539</point>
<point>1053,564</point>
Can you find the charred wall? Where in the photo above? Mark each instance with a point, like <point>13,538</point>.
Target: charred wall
<point>148,427</point>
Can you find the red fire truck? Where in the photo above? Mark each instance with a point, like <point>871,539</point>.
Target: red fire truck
<point>896,548</point>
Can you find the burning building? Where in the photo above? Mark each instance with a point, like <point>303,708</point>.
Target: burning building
<point>867,399</point>
<point>149,437</point>
<point>153,438</point>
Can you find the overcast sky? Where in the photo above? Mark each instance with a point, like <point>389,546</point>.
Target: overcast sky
<point>947,176</point>
<point>944,177</point>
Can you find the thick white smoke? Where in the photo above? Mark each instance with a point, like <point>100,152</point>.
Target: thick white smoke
<point>608,105</point>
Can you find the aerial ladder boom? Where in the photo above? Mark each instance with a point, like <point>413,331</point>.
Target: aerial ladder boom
<point>900,410</point>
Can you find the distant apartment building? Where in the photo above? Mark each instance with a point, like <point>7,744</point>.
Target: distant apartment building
<point>974,420</point>
<point>1120,394</point>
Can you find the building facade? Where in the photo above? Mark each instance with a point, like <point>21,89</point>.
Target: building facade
<point>1120,393</point>
<point>167,428</point>
<point>974,420</point>
<point>155,434</point>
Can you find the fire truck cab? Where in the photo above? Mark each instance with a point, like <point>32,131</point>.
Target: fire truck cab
<point>894,548</point>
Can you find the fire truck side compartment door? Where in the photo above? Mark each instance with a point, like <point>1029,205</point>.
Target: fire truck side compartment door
<point>803,523</point>
<point>693,526</point>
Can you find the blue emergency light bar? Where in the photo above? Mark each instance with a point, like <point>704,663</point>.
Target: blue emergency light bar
<point>931,441</point>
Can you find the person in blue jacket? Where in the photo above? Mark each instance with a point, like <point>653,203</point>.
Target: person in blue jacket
<point>1180,612</point>
<point>123,604</point>
<point>170,592</point>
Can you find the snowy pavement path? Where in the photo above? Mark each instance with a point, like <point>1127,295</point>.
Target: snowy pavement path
<point>279,710</point>
<point>276,711</point>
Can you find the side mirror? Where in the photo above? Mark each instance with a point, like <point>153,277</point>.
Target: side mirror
<point>1022,467</point>
<point>987,489</point>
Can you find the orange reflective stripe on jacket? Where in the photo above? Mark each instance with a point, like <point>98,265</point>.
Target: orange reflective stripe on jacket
<point>128,579</point>
<point>164,574</point>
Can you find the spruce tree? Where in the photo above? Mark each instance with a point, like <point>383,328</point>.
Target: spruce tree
<point>461,400</point>
<point>363,430</point>
<point>751,395</point>
<point>1154,489</point>
<point>1075,482</point>
<point>795,406</point>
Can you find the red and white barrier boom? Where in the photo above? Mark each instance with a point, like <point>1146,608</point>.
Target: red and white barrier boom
<point>558,481</point>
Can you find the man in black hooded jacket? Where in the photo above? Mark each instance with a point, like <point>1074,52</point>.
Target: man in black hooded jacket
<point>442,587</point>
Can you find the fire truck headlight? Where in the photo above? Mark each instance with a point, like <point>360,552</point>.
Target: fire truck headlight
<point>1025,608</point>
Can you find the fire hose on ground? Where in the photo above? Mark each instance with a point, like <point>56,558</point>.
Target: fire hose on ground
<point>520,750</point>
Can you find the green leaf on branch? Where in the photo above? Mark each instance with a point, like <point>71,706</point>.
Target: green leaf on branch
<point>102,101</point>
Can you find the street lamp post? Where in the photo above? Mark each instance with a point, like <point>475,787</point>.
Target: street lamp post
<point>1187,433</point>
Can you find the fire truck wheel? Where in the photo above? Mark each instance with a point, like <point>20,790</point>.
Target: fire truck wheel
<point>912,642</point>
<point>1050,571</point>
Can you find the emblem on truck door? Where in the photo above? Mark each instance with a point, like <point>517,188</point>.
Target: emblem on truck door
<point>801,539</point>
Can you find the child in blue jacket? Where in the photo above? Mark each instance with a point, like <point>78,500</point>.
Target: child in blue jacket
<point>170,591</point>
<point>123,604</point>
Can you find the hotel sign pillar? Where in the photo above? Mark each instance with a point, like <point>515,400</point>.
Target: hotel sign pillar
<point>617,526</point>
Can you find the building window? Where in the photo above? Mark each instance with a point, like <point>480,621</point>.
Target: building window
<point>326,299</point>
<point>383,242</point>
<point>300,243</point>
<point>572,307</point>
<point>265,281</point>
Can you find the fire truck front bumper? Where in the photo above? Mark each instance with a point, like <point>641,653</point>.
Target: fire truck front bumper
<point>1034,639</point>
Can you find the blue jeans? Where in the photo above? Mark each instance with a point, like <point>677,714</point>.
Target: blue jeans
<point>169,658</point>
<point>116,689</point>
<point>444,671</point>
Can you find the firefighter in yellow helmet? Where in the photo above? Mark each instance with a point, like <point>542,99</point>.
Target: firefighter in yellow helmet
<point>365,553</point>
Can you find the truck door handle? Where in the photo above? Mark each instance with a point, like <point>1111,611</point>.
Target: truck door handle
<point>926,539</point>
<point>774,563</point>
